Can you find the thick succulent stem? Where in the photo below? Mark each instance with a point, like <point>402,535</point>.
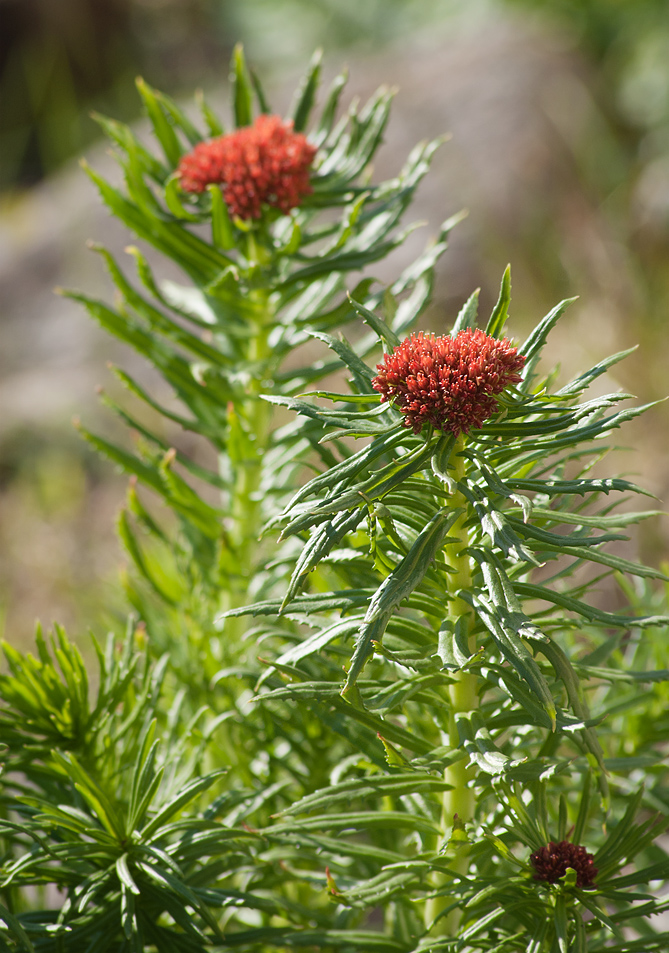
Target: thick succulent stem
<point>254,419</point>
<point>459,801</point>
<point>246,451</point>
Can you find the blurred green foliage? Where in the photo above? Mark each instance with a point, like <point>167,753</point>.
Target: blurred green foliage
<point>58,61</point>
<point>625,48</point>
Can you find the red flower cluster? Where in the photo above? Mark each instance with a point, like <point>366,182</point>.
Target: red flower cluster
<point>551,862</point>
<point>448,382</point>
<point>263,163</point>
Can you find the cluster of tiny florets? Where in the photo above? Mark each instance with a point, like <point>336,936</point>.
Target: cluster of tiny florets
<point>551,862</point>
<point>263,164</point>
<point>448,382</point>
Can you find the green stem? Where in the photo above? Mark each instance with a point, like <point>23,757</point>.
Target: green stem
<point>253,417</point>
<point>463,697</point>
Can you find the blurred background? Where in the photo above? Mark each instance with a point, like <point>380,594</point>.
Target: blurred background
<point>558,112</point>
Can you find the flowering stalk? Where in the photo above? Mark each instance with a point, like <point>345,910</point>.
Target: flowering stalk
<point>451,384</point>
<point>458,801</point>
<point>272,273</point>
<point>463,492</point>
<point>259,167</point>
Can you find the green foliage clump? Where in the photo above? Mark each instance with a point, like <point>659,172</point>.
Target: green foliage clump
<point>221,782</point>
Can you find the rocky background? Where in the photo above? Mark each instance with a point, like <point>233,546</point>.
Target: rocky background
<point>559,149</point>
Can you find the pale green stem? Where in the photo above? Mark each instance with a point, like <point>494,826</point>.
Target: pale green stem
<point>459,800</point>
<point>255,413</point>
<point>245,506</point>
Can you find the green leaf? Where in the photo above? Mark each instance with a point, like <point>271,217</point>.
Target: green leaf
<point>561,924</point>
<point>580,941</point>
<point>359,940</point>
<point>319,602</point>
<point>372,786</point>
<point>583,811</point>
<point>124,137</point>
<point>96,798</point>
<point>263,104</point>
<point>406,577</point>
<point>178,117</point>
<point>500,312</point>
<point>222,231</point>
<point>479,745</point>
<point>170,810</point>
<point>321,543</point>
<point>565,672</point>
<point>374,488</point>
<point>360,821</point>
<point>213,123</point>
<point>133,549</point>
<point>468,314</point>
<point>201,261</point>
<point>340,629</point>
<point>583,381</point>
<point>162,125</point>
<point>346,261</point>
<point>306,93</point>
<point>587,611</point>
<point>348,469</point>
<point>16,928</point>
<point>242,90</point>
<point>533,345</point>
<point>503,534</point>
<point>176,886</point>
<point>330,108</point>
<point>174,201</point>
<point>124,875</point>
<point>377,325</point>
<point>362,374</point>
<point>503,629</point>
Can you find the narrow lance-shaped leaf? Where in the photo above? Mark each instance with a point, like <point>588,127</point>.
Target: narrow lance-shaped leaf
<point>222,231</point>
<point>174,201</point>
<point>306,93</point>
<point>349,468</point>
<point>213,123</point>
<point>370,490</point>
<point>500,312</point>
<point>566,674</point>
<point>329,110</point>
<point>468,314</point>
<point>372,786</point>
<point>320,544</point>
<point>386,334</point>
<point>241,88</point>
<point>533,345</point>
<point>263,103</point>
<point>406,577</point>
<point>162,126</point>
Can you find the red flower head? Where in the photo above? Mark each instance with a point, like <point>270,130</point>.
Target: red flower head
<point>448,382</point>
<point>263,163</point>
<point>551,862</point>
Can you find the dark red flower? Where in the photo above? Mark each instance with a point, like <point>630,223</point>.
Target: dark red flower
<point>266,163</point>
<point>551,862</point>
<point>448,382</point>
